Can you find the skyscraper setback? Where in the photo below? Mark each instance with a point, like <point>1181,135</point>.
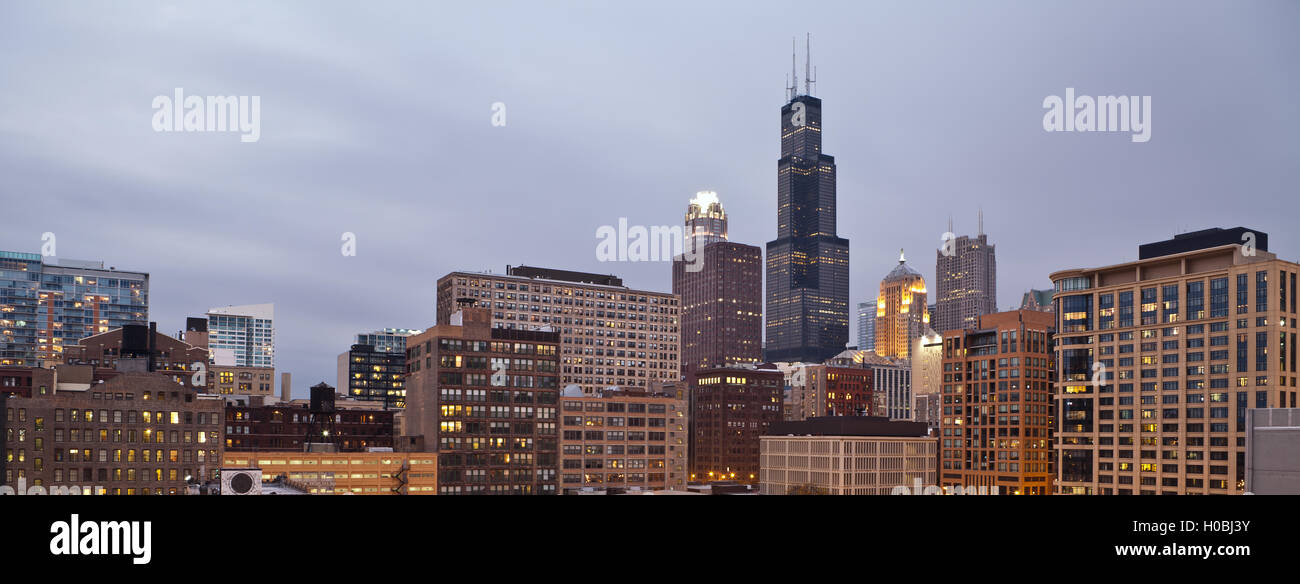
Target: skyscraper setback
<point>722,302</point>
<point>807,263</point>
<point>967,287</point>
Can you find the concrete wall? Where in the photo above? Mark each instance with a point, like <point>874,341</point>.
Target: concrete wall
<point>1273,451</point>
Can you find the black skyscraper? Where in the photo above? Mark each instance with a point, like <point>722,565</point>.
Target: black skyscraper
<point>807,263</point>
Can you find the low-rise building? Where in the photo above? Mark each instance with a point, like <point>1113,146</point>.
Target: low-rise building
<point>343,473</point>
<point>253,424</point>
<point>846,455</point>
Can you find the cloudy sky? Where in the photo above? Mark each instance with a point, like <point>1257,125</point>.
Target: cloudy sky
<point>376,120</point>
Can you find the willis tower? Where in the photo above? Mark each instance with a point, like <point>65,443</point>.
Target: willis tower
<point>807,264</point>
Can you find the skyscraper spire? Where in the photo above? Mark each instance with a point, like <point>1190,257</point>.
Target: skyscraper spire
<point>981,232</point>
<point>794,73</point>
<point>807,65</point>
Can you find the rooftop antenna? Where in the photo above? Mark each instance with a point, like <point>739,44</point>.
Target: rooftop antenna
<point>794,73</point>
<point>807,65</point>
<point>950,223</point>
<point>981,221</point>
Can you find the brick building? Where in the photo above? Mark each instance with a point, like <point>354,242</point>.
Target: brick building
<point>996,425</point>
<point>485,399</point>
<point>129,433</point>
<point>618,440</point>
<point>731,408</point>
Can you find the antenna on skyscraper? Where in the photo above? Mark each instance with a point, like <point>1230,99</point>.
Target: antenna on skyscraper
<point>807,65</point>
<point>794,73</point>
<point>981,221</point>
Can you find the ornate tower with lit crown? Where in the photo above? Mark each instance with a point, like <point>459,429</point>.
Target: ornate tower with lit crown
<point>901,310</point>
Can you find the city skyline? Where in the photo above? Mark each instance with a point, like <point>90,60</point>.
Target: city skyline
<point>337,153</point>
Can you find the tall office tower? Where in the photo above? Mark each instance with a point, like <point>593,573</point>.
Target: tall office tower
<point>722,301</point>
<point>996,429</point>
<point>867,325</point>
<point>46,305</point>
<point>731,409</point>
<point>1195,332</point>
<point>485,399</point>
<point>901,315</point>
<point>927,363</point>
<point>967,286</point>
<point>610,334</point>
<point>374,367</point>
<point>807,263</point>
<point>243,334</point>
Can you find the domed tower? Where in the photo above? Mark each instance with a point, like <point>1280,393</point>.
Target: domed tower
<point>901,310</point>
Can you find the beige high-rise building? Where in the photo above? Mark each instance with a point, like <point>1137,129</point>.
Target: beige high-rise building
<point>927,377</point>
<point>610,335</point>
<point>1184,341</point>
<point>901,310</point>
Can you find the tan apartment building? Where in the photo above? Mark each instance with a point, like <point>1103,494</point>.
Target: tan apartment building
<point>342,473</point>
<point>846,455</point>
<point>622,440</point>
<point>610,335</point>
<point>927,378</point>
<point>1180,343</point>
<point>996,425</point>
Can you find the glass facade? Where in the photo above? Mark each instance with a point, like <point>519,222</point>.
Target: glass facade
<point>389,340</point>
<point>47,306</point>
<point>246,332</point>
